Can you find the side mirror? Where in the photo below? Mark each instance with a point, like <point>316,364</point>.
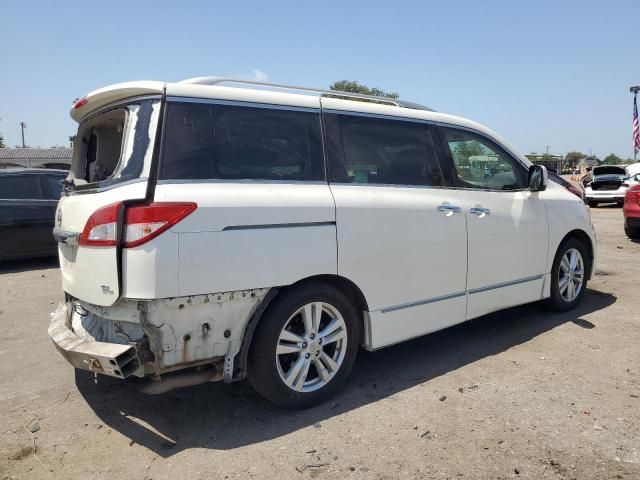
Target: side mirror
<point>538,178</point>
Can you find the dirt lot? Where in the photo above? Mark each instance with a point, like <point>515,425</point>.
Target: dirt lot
<point>517,394</point>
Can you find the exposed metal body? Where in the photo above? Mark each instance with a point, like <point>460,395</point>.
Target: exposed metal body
<point>154,337</point>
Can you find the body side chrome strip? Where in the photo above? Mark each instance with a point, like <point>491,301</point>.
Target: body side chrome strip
<point>422,302</point>
<point>277,225</point>
<point>505,284</point>
<point>460,294</point>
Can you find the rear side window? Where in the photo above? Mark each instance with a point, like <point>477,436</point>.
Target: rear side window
<point>371,150</point>
<point>216,141</point>
<point>20,187</point>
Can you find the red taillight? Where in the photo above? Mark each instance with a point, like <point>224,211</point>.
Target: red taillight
<point>80,103</point>
<point>142,223</point>
<point>145,222</point>
<point>101,228</point>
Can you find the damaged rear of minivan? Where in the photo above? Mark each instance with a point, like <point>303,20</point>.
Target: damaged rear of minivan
<point>122,315</point>
<point>188,209</point>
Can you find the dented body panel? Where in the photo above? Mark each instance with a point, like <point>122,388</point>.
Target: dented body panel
<point>159,335</point>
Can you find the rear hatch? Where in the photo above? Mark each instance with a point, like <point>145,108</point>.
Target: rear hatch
<point>111,167</point>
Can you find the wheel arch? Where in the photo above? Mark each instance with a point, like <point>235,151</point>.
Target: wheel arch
<point>343,284</point>
<point>585,239</point>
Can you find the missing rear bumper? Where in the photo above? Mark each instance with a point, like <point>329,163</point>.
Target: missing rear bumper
<point>113,359</point>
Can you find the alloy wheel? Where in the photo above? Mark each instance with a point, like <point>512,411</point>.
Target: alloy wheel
<point>311,347</point>
<point>571,275</point>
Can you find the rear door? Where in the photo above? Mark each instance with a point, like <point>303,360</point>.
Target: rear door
<point>26,218</point>
<point>111,166</point>
<point>401,231</point>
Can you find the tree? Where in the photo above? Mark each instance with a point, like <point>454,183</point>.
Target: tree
<point>2,145</point>
<point>470,149</point>
<point>355,87</point>
<point>572,158</point>
<point>612,159</point>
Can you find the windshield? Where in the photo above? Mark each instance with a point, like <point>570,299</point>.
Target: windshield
<point>115,145</point>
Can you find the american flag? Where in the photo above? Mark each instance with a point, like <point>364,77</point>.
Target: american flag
<point>636,127</point>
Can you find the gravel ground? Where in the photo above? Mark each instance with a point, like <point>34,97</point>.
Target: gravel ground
<point>517,394</point>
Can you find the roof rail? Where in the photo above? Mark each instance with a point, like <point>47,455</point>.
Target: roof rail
<point>336,93</point>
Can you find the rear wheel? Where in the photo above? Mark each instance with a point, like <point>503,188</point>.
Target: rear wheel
<point>305,346</point>
<point>568,275</point>
<point>631,232</point>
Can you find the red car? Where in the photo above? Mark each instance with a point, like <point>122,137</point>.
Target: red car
<point>631,211</point>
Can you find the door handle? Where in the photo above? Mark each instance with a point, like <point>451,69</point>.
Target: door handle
<point>449,209</point>
<point>480,211</point>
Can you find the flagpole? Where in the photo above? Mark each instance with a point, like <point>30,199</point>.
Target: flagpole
<point>635,89</point>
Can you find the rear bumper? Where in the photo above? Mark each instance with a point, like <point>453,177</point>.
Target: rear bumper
<point>604,197</point>
<point>113,359</point>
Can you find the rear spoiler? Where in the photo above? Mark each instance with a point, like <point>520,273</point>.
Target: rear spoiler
<point>113,93</point>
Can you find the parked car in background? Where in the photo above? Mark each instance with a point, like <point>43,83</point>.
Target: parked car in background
<point>608,184</point>
<point>272,233</point>
<point>633,169</point>
<point>631,212</point>
<point>575,188</point>
<point>28,199</point>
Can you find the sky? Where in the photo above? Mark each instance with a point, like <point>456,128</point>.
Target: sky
<point>540,73</point>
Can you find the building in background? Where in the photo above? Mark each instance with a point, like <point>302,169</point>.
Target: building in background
<point>36,157</point>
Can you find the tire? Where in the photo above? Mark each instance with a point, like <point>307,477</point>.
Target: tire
<point>631,232</point>
<point>592,204</point>
<point>282,324</point>
<point>561,299</point>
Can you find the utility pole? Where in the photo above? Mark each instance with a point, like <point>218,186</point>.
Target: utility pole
<point>23,126</point>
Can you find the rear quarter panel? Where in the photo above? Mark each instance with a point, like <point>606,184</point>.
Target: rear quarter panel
<point>247,235</point>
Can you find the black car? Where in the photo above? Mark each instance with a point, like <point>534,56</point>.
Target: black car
<point>28,199</point>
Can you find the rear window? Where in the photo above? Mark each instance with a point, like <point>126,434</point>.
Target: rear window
<point>216,141</point>
<point>20,187</point>
<point>115,146</point>
<point>54,183</point>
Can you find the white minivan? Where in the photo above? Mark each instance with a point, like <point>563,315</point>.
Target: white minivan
<point>216,229</point>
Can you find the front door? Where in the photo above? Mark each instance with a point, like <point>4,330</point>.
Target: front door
<point>401,232</point>
<point>506,222</point>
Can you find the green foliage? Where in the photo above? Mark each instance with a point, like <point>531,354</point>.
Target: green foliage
<point>355,87</point>
<point>612,159</point>
<point>572,158</point>
<point>469,149</point>
<point>2,145</point>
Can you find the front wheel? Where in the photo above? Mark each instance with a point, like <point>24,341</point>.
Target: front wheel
<point>305,346</point>
<point>568,275</point>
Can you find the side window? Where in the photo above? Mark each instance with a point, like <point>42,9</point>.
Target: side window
<point>214,141</point>
<point>20,187</point>
<point>370,150</point>
<point>54,184</point>
<point>480,163</point>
